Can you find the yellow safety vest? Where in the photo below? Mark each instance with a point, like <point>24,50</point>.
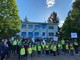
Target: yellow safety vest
<point>14,42</point>
<point>19,42</point>
<point>43,46</point>
<point>47,47</point>
<point>29,50</point>
<point>51,47</point>
<point>54,48</point>
<point>34,48</point>
<point>50,43</point>
<point>22,51</point>
<point>71,47</point>
<point>63,42</point>
<point>75,43</point>
<point>59,46</point>
<point>67,46</point>
<point>39,48</point>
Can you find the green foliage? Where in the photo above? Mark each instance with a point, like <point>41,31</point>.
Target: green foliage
<point>72,22</point>
<point>53,18</point>
<point>9,18</point>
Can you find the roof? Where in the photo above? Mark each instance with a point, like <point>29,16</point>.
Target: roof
<point>40,23</point>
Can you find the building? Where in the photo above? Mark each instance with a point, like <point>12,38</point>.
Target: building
<point>38,30</point>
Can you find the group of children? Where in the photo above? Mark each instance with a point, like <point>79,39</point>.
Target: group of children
<point>54,48</point>
<point>27,48</point>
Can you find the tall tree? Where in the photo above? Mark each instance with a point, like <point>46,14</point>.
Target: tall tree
<point>9,18</point>
<point>72,22</point>
<point>25,19</point>
<point>53,18</point>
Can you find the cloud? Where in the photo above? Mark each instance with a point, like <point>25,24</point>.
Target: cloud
<point>50,3</point>
<point>73,1</point>
<point>61,23</point>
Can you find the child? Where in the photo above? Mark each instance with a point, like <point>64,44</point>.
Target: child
<point>67,48</point>
<point>71,49</point>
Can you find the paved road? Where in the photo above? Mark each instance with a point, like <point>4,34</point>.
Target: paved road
<point>61,57</point>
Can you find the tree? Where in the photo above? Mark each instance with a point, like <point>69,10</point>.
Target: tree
<point>25,19</point>
<point>53,18</point>
<point>72,22</point>
<point>9,18</point>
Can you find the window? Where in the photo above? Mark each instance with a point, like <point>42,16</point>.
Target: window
<point>43,34</point>
<point>36,34</point>
<point>30,34</point>
<point>51,27</point>
<point>23,26</point>
<point>23,34</point>
<point>37,26</point>
<point>44,26</point>
<point>51,34</point>
<point>30,26</point>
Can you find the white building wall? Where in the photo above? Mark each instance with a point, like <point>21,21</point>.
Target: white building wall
<point>40,30</point>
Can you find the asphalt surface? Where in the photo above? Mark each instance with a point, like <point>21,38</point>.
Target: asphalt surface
<point>48,57</point>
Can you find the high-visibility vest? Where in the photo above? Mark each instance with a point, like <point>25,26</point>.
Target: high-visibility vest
<point>39,48</point>
<point>47,47</point>
<point>29,50</point>
<point>22,51</point>
<point>71,47</point>
<point>75,43</point>
<point>43,46</point>
<point>54,48</point>
<point>19,42</point>
<point>51,47</point>
<point>67,46</point>
<point>50,43</point>
<point>14,42</point>
<point>59,46</point>
<point>63,42</point>
<point>34,48</point>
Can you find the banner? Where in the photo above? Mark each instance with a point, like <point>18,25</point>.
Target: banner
<point>74,35</point>
<point>55,38</point>
<point>44,41</point>
<point>33,39</point>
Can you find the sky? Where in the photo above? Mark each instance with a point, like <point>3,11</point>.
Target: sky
<point>40,10</point>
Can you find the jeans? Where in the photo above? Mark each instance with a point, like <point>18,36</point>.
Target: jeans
<point>43,52</point>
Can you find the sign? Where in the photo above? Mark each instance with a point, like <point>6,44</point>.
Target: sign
<point>74,35</point>
<point>33,39</point>
<point>44,41</point>
<point>55,38</point>
<point>12,38</point>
